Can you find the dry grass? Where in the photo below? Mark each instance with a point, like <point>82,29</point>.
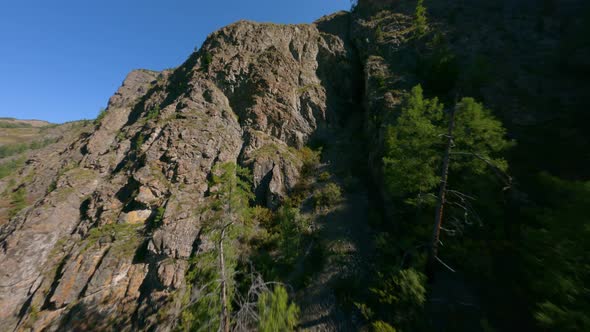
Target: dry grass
<point>19,135</point>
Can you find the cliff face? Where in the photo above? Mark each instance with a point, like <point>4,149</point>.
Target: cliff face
<point>83,256</point>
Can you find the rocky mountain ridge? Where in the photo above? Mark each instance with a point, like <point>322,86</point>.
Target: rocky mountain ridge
<point>253,94</point>
<point>86,253</point>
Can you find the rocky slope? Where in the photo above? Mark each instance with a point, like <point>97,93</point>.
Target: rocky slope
<point>84,253</point>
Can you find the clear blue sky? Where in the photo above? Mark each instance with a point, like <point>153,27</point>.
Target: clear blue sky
<point>61,60</point>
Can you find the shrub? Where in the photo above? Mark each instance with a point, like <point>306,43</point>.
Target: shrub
<point>420,22</point>
<point>328,196</point>
<point>310,158</point>
<point>380,81</point>
<point>10,166</point>
<point>324,176</point>
<point>101,115</point>
<point>206,61</point>
<point>139,142</point>
<point>405,292</point>
<point>153,113</point>
<point>379,34</point>
<point>159,216</point>
<point>261,215</point>
<point>381,326</point>
<point>52,186</point>
<point>275,312</point>
<point>290,228</point>
<point>19,202</point>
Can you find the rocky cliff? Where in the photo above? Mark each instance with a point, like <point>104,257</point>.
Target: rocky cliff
<point>84,253</point>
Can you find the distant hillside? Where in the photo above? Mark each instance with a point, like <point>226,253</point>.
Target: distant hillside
<point>14,131</point>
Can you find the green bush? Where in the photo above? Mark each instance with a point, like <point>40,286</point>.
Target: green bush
<point>324,176</point>
<point>381,326</point>
<point>420,21</point>
<point>404,292</point>
<point>9,167</point>
<point>153,113</point>
<point>328,196</point>
<point>275,312</point>
<point>159,216</point>
<point>310,158</point>
<point>101,115</point>
<point>18,202</point>
<point>290,227</point>
<point>206,61</point>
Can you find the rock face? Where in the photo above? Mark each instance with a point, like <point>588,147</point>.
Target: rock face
<point>84,255</point>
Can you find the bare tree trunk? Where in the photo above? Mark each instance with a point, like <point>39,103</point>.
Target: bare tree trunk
<point>224,321</point>
<point>441,199</point>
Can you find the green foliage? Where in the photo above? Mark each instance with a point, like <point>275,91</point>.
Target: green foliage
<point>261,216</point>
<point>310,159</point>
<point>381,326</point>
<point>290,226</point>
<point>12,149</point>
<point>101,114</point>
<point>412,147</point>
<point>555,254</point>
<point>206,61</point>
<point>126,238</point>
<point>159,216</point>
<point>275,312</point>
<point>233,189</point>
<point>420,21</point>
<point>230,197</point>
<point>18,202</point>
<point>52,186</point>
<point>203,313</point>
<point>10,166</point>
<point>324,176</point>
<point>380,82</point>
<point>327,196</point>
<point>153,113</point>
<point>477,131</point>
<point>139,140</point>
<point>404,293</point>
<point>379,34</point>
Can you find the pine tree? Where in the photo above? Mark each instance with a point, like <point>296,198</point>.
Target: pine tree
<point>420,21</point>
<point>275,312</point>
<point>212,272</point>
<point>467,140</point>
<point>232,193</point>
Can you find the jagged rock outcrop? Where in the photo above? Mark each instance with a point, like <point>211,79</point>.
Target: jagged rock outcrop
<point>86,253</point>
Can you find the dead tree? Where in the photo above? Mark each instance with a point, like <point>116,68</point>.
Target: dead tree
<point>433,252</point>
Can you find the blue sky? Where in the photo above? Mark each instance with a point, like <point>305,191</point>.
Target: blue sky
<point>61,60</point>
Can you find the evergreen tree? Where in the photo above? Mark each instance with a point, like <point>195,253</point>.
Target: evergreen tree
<point>412,146</point>
<point>212,272</point>
<point>275,312</point>
<point>420,21</point>
<point>232,193</point>
<point>466,140</point>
